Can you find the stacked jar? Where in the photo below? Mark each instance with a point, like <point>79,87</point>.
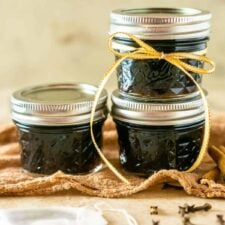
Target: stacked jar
<point>158,110</point>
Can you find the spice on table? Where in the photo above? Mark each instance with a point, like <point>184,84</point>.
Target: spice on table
<point>192,208</point>
<point>155,222</point>
<point>154,210</point>
<point>182,211</point>
<point>186,221</point>
<point>221,219</point>
<point>218,156</point>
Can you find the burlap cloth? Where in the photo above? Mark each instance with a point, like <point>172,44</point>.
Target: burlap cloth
<point>14,181</point>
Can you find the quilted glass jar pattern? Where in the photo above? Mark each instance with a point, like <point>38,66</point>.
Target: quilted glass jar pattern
<point>158,135</point>
<point>53,127</point>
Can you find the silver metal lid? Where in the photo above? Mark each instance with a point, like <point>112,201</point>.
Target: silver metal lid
<point>157,112</point>
<point>56,104</point>
<point>161,23</point>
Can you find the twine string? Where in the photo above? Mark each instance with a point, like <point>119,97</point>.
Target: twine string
<point>146,52</point>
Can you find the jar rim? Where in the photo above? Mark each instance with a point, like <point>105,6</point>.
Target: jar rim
<point>161,23</point>
<point>158,111</point>
<point>57,104</point>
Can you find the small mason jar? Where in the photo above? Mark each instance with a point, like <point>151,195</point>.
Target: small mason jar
<point>158,135</point>
<point>53,127</point>
<point>167,30</point>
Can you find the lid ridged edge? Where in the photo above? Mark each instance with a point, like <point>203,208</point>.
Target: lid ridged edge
<point>119,16</point>
<point>124,103</point>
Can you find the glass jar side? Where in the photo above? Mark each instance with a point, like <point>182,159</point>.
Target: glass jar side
<point>46,149</point>
<point>158,78</point>
<point>146,149</point>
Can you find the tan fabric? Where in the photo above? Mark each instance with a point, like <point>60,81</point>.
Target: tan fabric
<point>16,181</point>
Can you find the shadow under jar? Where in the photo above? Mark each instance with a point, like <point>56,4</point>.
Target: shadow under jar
<point>167,30</point>
<point>158,135</point>
<point>53,127</point>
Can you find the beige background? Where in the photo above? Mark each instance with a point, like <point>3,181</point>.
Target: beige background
<point>56,40</point>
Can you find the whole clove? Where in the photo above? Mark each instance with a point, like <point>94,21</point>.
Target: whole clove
<point>154,210</point>
<point>192,208</point>
<point>182,211</point>
<point>187,221</point>
<point>221,219</point>
<point>155,222</point>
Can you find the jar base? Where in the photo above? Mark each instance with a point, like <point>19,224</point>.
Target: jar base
<point>139,174</point>
<point>96,169</point>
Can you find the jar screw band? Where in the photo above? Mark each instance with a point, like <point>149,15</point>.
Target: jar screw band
<point>144,52</point>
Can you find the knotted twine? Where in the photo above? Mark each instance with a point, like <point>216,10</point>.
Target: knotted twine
<point>146,52</point>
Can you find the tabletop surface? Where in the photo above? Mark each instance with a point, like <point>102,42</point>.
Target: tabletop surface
<point>138,205</point>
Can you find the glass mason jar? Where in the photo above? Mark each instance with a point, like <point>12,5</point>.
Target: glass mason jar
<point>155,135</point>
<point>53,127</point>
<point>167,30</point>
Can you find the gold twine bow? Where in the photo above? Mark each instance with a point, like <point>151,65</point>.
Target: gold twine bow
<point>145,52</point>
